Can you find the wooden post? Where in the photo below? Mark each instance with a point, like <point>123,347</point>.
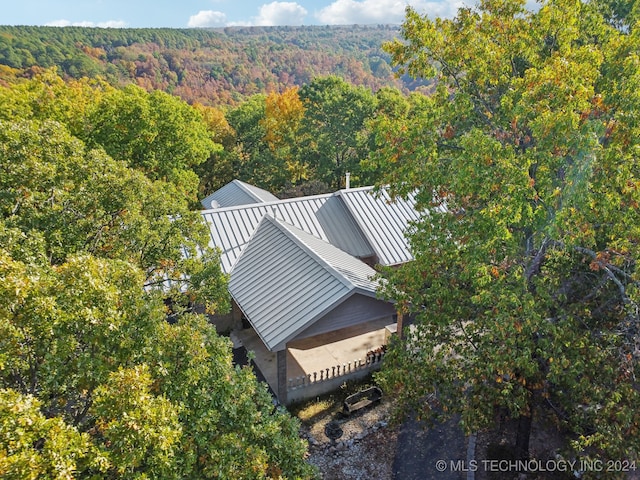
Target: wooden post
<point>236,315</point>
<point>282,376</point>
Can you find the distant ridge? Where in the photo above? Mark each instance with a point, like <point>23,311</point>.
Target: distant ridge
<point>211,66</point>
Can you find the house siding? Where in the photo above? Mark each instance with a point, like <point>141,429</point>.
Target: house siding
<point>357,309</point>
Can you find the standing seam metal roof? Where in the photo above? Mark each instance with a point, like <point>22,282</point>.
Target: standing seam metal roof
<point>237,193</point>
<point>382,221</point>
<point>324,216</point>
<point>300,279</point>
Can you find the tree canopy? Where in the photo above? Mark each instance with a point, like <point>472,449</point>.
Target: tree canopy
<point>155,133</point>
<point>95,381</point>
<point>335,114</point>
<point>525,162</point>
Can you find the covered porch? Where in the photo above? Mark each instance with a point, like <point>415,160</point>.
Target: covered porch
<point>318,364</point>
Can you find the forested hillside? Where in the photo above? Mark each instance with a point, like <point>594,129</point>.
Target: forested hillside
<point>294,142</point>
<point>211,67</point>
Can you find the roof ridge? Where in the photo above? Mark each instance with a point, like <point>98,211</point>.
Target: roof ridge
<point>281,201</point>
<point>297,233</point>
<point>355,189</point>
<point>249,189</point>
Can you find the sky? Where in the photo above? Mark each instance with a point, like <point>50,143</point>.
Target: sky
<point>215,13</point>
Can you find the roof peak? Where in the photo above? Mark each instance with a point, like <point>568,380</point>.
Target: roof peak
<point>320,250</point>
<point>237,193</point>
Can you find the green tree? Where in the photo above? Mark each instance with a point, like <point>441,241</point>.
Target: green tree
<point>335,114</point>
<point>137,433</point>
<point>143,396</point>
<point>33,446</point>
<point>393,112</point>
<point>99,382</point>
<point>221,166</point>
<point>257,164</point>
<point>524,283</point>
<point>47,96</point>
<point>231,427</point>
<point>154,132</point>
<point>81,200</point>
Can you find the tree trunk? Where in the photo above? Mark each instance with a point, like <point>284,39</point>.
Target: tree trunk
<point>522,437</point>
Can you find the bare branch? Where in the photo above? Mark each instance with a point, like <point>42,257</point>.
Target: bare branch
<point>534,267</point>
<point>609,270</point>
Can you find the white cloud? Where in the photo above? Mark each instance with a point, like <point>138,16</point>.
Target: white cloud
<point>113,24</point>
<point>281,13</point>
<point>85,23</point>
<point>207,18</point>
<point>276,14</point>
<point>347,12</point>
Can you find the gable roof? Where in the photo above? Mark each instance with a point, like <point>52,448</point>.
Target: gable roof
<point>237,193</point>
<point>383,221</point>
<point>324,216</point>
<point>300,278</point>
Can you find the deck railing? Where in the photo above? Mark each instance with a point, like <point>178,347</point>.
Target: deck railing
<point>357,367</point>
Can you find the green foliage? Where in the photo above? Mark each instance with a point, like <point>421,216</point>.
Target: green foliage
<point>94,381</point>
<point>256,162</point>
<point>33,446</point>
<point>307,139</point>
<point>137,432</point>
<point>230,421</point>
<point>335,113</point>
<point>81,200</point>
<point>153,132</point>
<point>49,97</point>
<point>220,168</point>
<point>524,282</point>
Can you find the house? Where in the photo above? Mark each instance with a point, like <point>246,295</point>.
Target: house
<point>302,280</point>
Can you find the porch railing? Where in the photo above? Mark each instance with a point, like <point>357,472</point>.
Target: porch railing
<point>357,367</point>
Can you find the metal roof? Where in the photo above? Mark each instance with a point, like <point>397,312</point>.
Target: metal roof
<point>237,193</point>
<point>286,279</point>
<point>323,216</point>
<point>383,221</point>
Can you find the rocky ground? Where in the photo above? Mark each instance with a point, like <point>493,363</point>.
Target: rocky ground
<point>366,444</point>
<point>365,449</point>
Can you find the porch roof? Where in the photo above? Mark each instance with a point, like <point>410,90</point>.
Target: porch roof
<point>286,279</point>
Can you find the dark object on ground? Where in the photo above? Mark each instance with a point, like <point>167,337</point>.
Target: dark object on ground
<point>362,399</point>
<point>332,430</point>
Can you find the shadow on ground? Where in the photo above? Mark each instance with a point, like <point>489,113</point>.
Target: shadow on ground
<point>426,452</point>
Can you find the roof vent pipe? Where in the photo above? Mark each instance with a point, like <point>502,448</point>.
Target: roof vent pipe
<point>347,180</point>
